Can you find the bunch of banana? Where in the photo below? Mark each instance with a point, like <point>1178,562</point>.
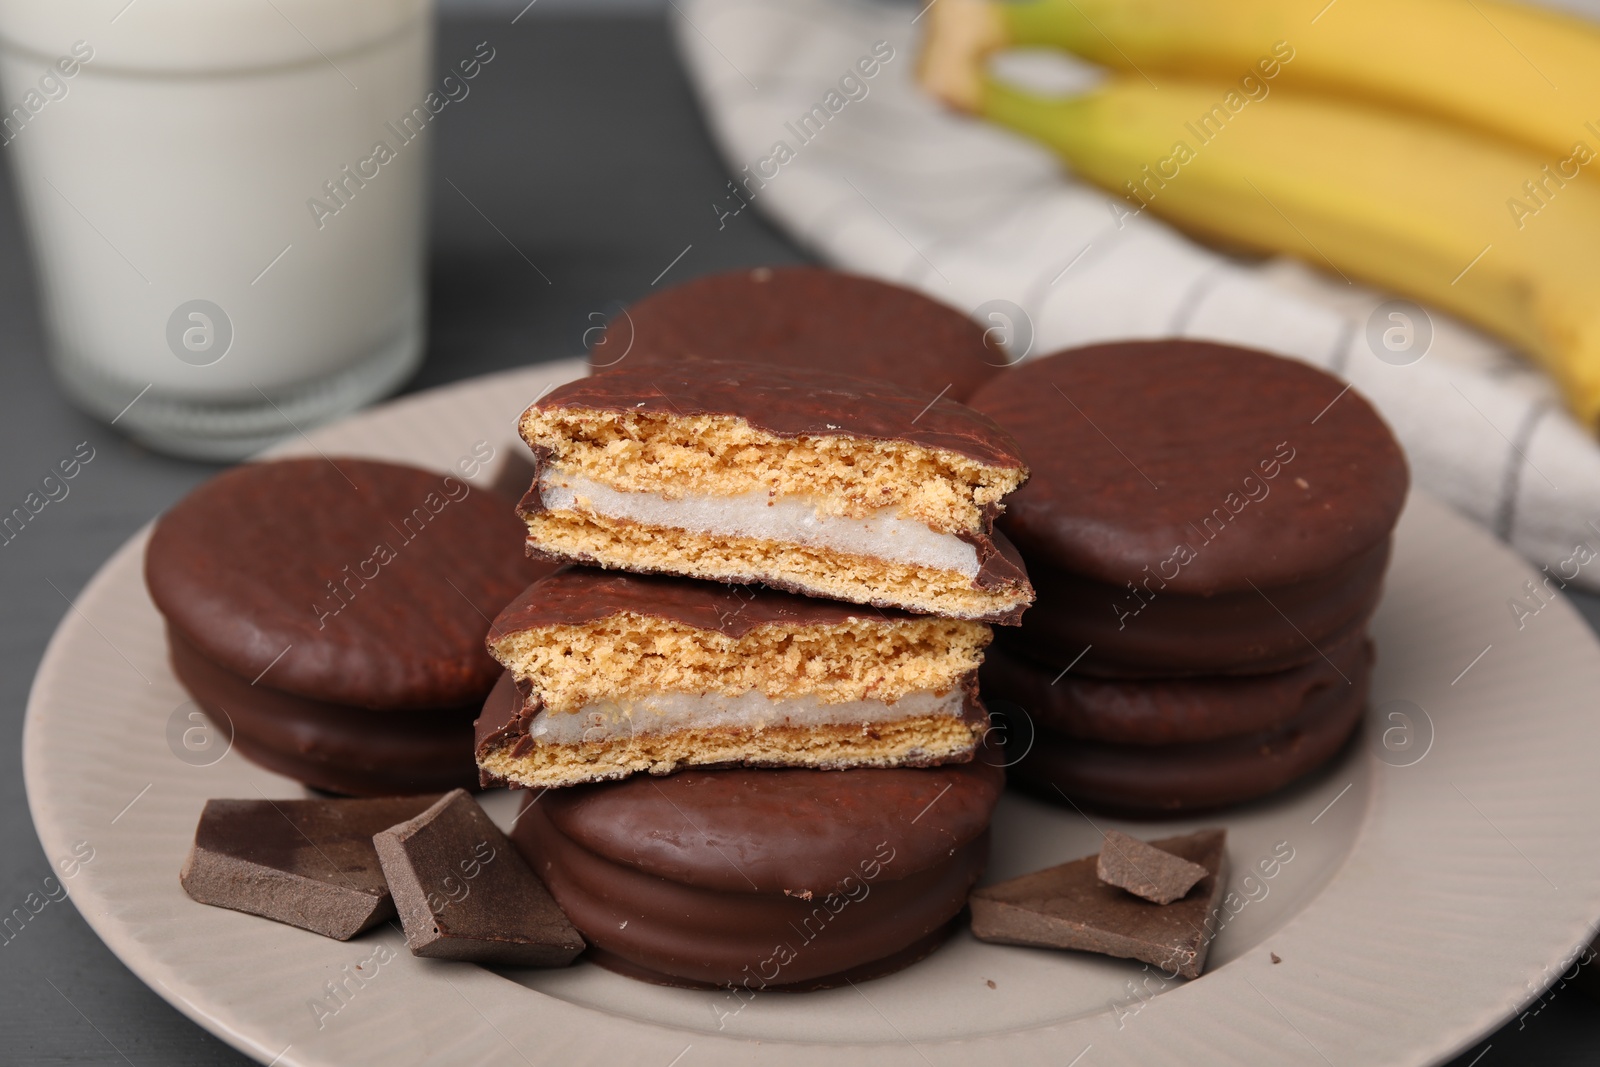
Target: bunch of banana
<point>1421,145</point>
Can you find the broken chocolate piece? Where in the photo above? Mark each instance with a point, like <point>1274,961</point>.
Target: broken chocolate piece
<point>1068,907</point>
<point>308,863</point>
<point>464,893</point>
<point>1144,870</point>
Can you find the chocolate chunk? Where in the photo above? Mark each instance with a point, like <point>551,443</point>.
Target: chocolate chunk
<point>308,863</point>
<point>464,893</point>
<point>1069,907</point>
<point>1144,870</point>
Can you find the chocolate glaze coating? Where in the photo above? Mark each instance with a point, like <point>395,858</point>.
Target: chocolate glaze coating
<point>999,565</point>
<point>241,569</point>
<point>862,972</point>
<point>1252,631</point>
<point>334,747</point>
<point>805,316</point>
<point>1205,424</point>
<point>695,936</point>
<point>573,596</point>
<point>1167,711</point>
<point>784,832</point>
<point>1156,780</point>
<point>791,401</point>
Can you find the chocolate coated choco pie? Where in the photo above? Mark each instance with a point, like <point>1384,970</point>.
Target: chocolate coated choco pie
<point>764,878</point>
<point>1194,508</point>
<point>1143,780</point>
<point>805,317</point>
<point>1168,711</point>
<point>610,674</point>
<point>800,479</point>
<point>335,611</point>
<point>339,748</point>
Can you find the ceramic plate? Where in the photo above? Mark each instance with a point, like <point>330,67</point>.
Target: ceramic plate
<point>1436,877</point>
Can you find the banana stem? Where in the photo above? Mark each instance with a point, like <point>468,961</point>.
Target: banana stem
<point>961,36</point>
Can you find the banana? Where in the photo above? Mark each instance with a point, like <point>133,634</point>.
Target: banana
<point>1522,73</point>
<point>1483,228</point>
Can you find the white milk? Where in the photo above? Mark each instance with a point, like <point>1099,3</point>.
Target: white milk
<point>171,156</point>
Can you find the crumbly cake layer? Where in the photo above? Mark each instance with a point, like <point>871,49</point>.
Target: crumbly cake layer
<point>724,455</point>
<point>630,657</point>
<point>915,741</point>
<point>623,545</point>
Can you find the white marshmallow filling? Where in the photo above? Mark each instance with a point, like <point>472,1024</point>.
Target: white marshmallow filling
<point>791,519</point>
<point>667,713</point>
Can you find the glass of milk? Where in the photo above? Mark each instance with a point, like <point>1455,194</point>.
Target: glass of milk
<point>225,200</point>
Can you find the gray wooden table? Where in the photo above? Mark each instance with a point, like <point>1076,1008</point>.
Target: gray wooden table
<point>583,146</point>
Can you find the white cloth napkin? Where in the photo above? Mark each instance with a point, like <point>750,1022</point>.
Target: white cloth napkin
<point>882,181</point>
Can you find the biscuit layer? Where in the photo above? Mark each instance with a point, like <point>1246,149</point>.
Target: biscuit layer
<point>919,740</point>
<point>632,657</point>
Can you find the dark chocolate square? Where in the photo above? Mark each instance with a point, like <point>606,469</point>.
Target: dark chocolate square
<point>1069,907</point>
<point>464,893</point>
<point>308,863</point>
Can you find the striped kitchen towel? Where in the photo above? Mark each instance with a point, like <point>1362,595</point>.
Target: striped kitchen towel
<point>815,109</point>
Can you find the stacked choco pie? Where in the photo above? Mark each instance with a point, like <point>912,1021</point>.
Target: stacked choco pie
<point>1208,529</point>
<point>327,616</point>
<point>749,702</point>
